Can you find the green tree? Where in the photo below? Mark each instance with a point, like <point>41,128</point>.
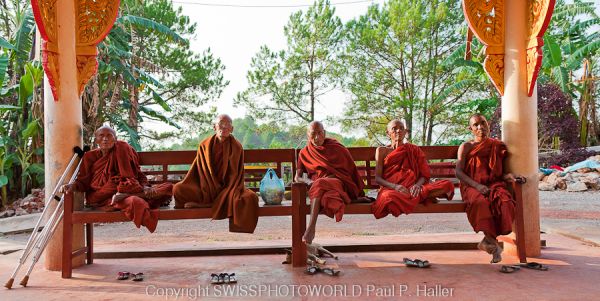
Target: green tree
<point>394,62</point>
<point>571,57</point>
<point>21,136</point>
<point>286,84</point>
<point>147,72</point>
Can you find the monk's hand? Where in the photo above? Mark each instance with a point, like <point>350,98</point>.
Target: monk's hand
<point>509,177</point>
<point>415,190</point>
<point>67,188</point>
<point>483,189</point>
<point>401,188</point>
<point>149,192</point>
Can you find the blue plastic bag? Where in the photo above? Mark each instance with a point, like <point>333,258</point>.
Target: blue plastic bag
<point>271,188</point>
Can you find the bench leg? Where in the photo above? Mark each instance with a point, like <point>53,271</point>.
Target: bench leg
<point>519,223</point>
<point>298,224</point>
<point>67,247</point>
<point>89,241</point>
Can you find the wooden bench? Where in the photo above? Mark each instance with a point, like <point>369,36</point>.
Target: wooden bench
<point>172,166</point>
<point>365,160</point>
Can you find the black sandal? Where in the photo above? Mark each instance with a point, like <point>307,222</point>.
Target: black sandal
<point>311,270</point>
<point>330,271</point>
<point>534,266</point>
<point>509,268</point>
<point>416,263</point>
<point>138,277</point>
<point>216,279</point>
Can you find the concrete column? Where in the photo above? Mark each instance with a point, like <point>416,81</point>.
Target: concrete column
<point>62,125</point>
<point>519,118</point>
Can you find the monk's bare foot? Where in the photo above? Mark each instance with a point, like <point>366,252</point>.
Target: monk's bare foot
<point>308,236</point>
<point>497,256</point>
<point>192,205</point>
<point>119,196</point>
<point>486,246</point>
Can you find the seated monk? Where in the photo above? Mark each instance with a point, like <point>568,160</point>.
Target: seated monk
<point>480,169</point>
<point>216,180</point>
<point>112,180</point>
<point>403,174</point>
<point>333,178</point>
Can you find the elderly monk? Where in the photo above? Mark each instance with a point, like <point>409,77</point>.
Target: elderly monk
<point>112,180</point>
<point>403,174</point>
<point>332,175</point>
<point>216,180</point>
<point>480,169</point>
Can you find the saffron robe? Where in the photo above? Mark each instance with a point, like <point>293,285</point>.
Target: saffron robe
<point>216,180</point>
<point>336,181</point>
<point>493,214</point>
<point>404,166</point>
<point>100,177</point>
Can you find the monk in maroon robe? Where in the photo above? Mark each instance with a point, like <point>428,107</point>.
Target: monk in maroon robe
<point>332,175</point>
<point>480,169</point>
<point>403,174</point>
<point>112,180</point>
<point>216,180</point>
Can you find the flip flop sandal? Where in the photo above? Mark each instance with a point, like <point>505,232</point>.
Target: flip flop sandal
<point>330,271</point>
<point>232,278</point>
<point>225,278</point>
<point>534,266</point>
<point>123,275</point>
<point>138,277</point>
<point>417,263</point>
<point>216,279</point>
<point>311,270</point>
<point>509,269</point>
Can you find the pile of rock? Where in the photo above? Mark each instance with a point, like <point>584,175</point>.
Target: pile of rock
<point>582,179</point>
<point>32,203</point>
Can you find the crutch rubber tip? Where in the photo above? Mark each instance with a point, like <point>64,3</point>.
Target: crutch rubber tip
<point>9,283</point>
<point>24,281</point>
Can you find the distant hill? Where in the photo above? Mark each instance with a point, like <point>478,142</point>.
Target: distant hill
<point>254,136</point>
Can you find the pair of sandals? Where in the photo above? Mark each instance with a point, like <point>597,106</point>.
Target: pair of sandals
<point>134,276</point>
<point>223,278</point>
<point>529,265</point>
<point>313,269</point>
<point>416,263</point>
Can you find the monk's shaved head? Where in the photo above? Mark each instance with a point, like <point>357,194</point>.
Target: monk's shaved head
<point>315,125</point>
<point>396,130</point>
<point>315,132</point>
<point>477,115</point>
<point>393,122</point>
<point>105,128</point>
<point>222,117</point>
<point>223,126</point>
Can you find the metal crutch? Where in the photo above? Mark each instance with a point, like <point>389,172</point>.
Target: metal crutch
<point>35,234</point>
<point>48,230</point>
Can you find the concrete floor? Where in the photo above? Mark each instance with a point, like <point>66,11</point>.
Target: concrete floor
<point>461,275</point>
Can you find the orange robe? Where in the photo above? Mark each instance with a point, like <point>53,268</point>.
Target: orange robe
<point>336,181</point>
<point>100,177</point>
<point>216,179</point>
<point>492,214</point>
<point>404,166</point>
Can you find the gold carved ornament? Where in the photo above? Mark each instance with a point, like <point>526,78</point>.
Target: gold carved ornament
<point>94,19</point>
<point>540,13</point>
<point>486,22</point>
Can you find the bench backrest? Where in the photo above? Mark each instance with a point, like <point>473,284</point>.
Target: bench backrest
<point>172,166</point>
<point>443,168</point>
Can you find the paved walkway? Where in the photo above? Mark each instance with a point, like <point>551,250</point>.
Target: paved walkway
<point>461,275</point>
<point>571,221</point>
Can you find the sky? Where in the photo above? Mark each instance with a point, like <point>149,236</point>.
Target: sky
<point>235,34</point>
